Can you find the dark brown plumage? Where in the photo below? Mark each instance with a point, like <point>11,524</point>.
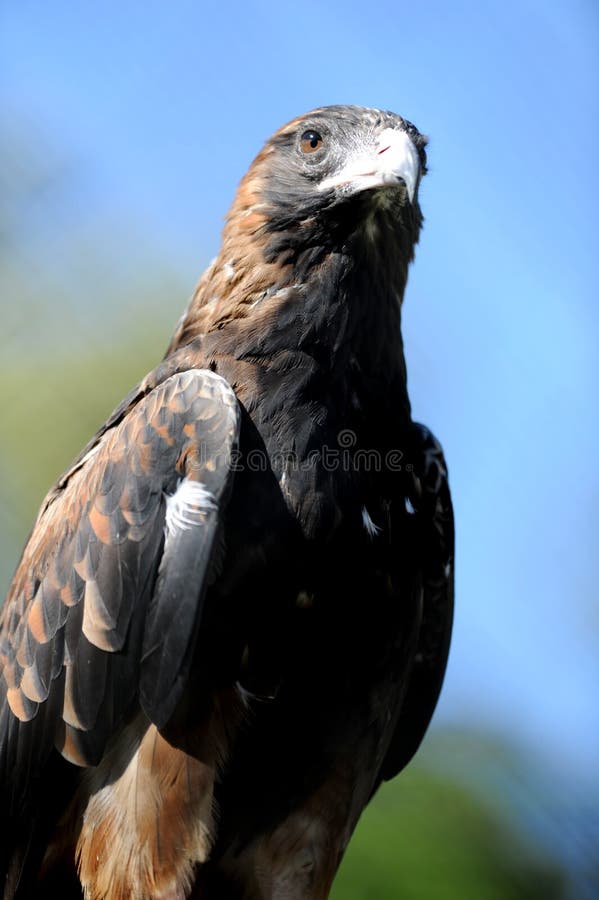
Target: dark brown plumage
<point>231,620</point>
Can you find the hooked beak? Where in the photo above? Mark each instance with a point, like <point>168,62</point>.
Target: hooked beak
<point>392,160</point>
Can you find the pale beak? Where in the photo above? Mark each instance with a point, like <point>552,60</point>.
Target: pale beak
<point>393,159</point>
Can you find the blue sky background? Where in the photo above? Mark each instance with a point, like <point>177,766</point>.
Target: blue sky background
<point>159,109</point>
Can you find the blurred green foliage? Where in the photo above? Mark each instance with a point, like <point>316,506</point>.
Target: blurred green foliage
<point>424,837</point>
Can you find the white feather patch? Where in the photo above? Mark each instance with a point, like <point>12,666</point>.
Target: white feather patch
<point>369,525</point>
<point>188,506</point>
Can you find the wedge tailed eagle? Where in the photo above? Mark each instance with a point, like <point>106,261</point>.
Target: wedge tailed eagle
<point>231,620</point>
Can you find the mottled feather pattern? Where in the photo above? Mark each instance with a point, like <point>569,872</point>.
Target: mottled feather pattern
<point>153,823</point>
<point>75,592</point>
<point>148,809</point>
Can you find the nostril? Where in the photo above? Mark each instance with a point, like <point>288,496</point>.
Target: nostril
<point>384,150</point>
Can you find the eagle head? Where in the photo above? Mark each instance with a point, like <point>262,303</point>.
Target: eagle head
<point>332,170</point>
<point>327,211</point>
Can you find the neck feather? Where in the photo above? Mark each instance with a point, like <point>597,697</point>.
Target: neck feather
<point>304,288</point>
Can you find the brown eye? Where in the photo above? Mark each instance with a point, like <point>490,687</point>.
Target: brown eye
<point>310,141</point>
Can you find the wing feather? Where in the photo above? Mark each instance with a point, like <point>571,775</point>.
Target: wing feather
<point>102,607</point>
<point>432,551</point>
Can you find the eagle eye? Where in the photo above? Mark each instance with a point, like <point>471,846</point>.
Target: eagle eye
<point>310,141</point>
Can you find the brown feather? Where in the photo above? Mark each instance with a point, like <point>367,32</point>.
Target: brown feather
<point>154,582</point>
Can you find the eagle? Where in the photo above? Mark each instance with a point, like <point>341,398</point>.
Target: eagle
<point>231,621</point>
